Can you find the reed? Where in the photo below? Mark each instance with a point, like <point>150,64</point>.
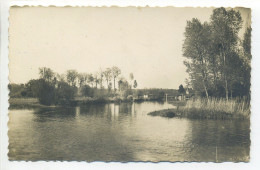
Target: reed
<point>216,108</point>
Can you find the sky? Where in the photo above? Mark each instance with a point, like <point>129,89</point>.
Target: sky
<point>144,41</point>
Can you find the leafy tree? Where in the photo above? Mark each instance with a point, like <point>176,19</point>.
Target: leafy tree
<point>100,78</point>
<point>87,91</point>
<point>96,79</point>
<point>90,80</point>
<point>196,49</point>
<point>214,59</point>
<point>32,88</point>
<point>181,89</point>
<point>225,27</point>
<point>64,92</point>
<point>131,76</point>
<point>81,79</point>
<point>71,77</point>
<point>247,56</point>
<point>135,84</point>
<point>115,73</point>
<point>46,73</point>
<point>108,76</point>
<point>16,89</point>
<point>46,92</point>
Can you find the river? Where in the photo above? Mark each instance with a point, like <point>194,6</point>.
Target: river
<point>123,132</point>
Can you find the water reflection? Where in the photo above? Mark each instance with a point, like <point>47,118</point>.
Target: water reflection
<point>123,132</point>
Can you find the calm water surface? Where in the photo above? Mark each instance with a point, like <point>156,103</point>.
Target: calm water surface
<point>111,132</point>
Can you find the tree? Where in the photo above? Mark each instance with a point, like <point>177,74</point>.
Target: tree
<point>32,88</point>
<point>100,78</point>
<point>90,80</point>
<point>96,79</point>
<point>225,27</point>
<point>115,73</point>
<point>60,77</point>
<point>196,49</point>
<point>87,91</point>
<point>64,93</point>
<point>181,89</point>
<point>46,73</point>
<point>131,76</point>
<point>213,55</point>
<point>71,77</point>
<point>108,76</point>
<point>247,56</point>
<point>135,84</point>
<point>46,92</point>
<point>81,79</point>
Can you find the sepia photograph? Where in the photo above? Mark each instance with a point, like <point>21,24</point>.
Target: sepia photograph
<point>129,84</point>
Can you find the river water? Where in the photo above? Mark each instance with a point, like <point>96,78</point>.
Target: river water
<point>123,132</point>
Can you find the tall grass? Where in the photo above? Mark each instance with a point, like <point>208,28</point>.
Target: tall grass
<point>216,108</point>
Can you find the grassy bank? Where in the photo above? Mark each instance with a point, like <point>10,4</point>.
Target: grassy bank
<point>208,109</point>
<point>16,103</point>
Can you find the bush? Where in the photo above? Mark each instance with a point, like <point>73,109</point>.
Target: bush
<point>64,92</point>
<point>46,93</point>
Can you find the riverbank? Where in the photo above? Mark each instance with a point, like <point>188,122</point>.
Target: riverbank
<point>19,103</point>
<point>208,109</point>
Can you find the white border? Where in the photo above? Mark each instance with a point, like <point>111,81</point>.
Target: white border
<point>255,119</point>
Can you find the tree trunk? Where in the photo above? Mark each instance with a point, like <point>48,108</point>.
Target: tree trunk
<point>226,87</point>
<point>225,73</point>
<point>206,90</point>
<point>114,84</point>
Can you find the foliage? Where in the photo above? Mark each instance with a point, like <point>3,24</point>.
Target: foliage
<point>87,91</point>
<point>65,92</point>
<point>135,84</point>
<point>181,89</point>
<point>115,73</point>
<point>215,62</point>
<point>53,88</point>
<point>46,92</point>
<point>46,73</point>
<point>71,77</point>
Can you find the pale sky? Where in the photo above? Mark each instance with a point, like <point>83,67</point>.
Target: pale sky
<point>145,41</point>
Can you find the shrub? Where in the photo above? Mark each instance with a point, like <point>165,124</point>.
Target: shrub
<point>46,93</point>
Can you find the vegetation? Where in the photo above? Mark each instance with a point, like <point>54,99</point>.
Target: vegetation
<point>211,108</point>
<point>218,62</point>
<point>61,89</point>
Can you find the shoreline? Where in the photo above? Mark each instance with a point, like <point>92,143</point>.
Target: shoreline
<point>193,109</point>
<point>20,103</point>
<point>196,114</point>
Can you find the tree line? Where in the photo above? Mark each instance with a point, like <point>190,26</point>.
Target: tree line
<point>55,88</point>
<point>217,59</point>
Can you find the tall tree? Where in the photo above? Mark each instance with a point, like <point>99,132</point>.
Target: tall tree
<point>108,76</point>
<point>46,73</point>
<point>115,73</point>
<point>71,77</point>
<point>96,79</point>
<point>225,27</point>
<point>90,79</point>
<point>247,56</point>
<point>100,77</point>
<point>81,79</point>
<point>196,50</point>
<point>131,76</point>
<point>135,84</point>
